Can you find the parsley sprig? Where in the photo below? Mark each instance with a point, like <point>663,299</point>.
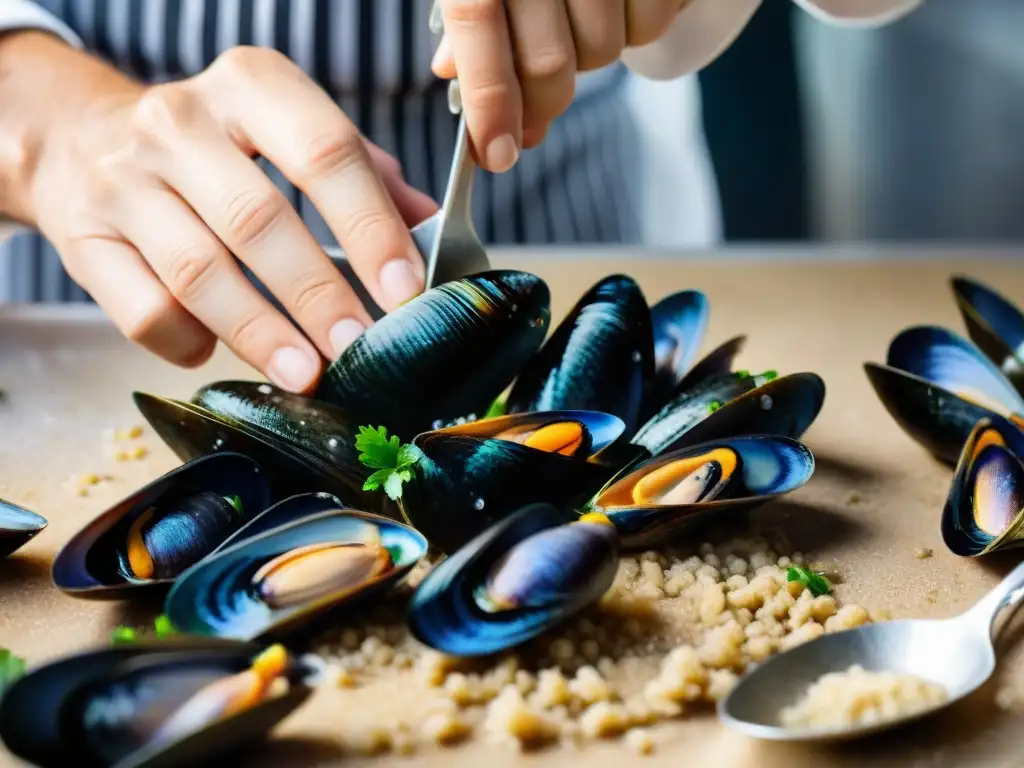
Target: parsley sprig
<point>11,668</point>
<point>815,582</point>
<point>162,627</point>
<point>393,461</point>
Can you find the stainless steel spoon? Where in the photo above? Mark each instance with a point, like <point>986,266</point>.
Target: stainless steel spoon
<point>957,653</point>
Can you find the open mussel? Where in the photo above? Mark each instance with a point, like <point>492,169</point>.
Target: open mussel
<point>521,577</point>
<point>446,353</point>
<point>600,358</point>
<point>938,385</point>
<point>736,404</point>
<point>985,508</point>
<point>178,701</point>
<point>660,496</point>
<point>17,526</point>
<point>995,324</point>
<point>192,431</point>
<point>454,483</point>
<point>152,536</point>
<point>276,581</point>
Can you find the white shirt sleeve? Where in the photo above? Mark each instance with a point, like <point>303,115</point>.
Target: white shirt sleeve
<point>24,14</point>
<point>705,28</point>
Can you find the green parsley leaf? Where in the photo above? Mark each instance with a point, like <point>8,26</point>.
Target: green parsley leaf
<point>11,668</point>
<point>743,374</point>
<point>235,502</point>
<point>376,450</point>
<point>123,635</point>
<point>769,375</point>
<point>498,408</point>
<point>393,461</point>
<point>815,582</point>
<point>163,626</point>
<point>713,406</point>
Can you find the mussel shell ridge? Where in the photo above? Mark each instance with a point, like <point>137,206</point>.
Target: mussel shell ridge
<point>938,419</point>
<point>995,324</point>
<point>191,431</point>
<point>446,353</point>
<point>746,471</point>
<point>17,526</point>
<point>984,511</point>
<point>226,595</point>
<point>463,484</point>
<point>600,358</point>
<point>87,566</point>
<point>43,716</point>
<point>569,567</point>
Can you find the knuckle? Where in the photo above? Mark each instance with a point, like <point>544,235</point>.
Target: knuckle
<point>246,62</point>
<point>190,267</point>
<point>378,230</point>
<point>246,335</point>
<point>330,153</point>
<point>473,11</point>
<point>314,291</point>
<point>547,63</point>
<point>165,111</point>
<point>489,95</point>
<point>150,318</point>
<point>250,215</point>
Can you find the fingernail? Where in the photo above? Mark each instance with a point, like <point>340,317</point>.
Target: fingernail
<point>442,53</point>
<point>502,153</point>
<point>343,333</point>
<point>400,281</point>
<point>292,369</point>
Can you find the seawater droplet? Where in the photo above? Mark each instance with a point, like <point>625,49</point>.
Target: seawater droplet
<point>265,389</point>
<point>766,402</point>
<point>478,504</point>
<point>437,424</point>
<point>218,444</point>
<point>471,417</point>
<point>332,443</point>
<point>515,307</point>
<point>460,421</point>
<point>636,355</point>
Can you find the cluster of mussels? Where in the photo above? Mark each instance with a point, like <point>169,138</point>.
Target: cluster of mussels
<point>963,400</point>
<point>611,437</point>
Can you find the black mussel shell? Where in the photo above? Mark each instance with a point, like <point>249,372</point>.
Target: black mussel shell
<point>521,577</point>
<point>944,358</point>
<point>652,503</point>
<point>985,508</point>
<point>137,705</point>
<point>995,324</point>
<point>167,526</point>
<point>277,581</point>
<point>678,323</point>
<point>446,353</point>
<point>717,362</point>
<point>600,358</point>
<point>464,481</point>
<point>316,427</point>
<point>17,526</point>
<point>936,418</point>
<point>691,407</point>
<point>286,512</point>
<point>191,431</point>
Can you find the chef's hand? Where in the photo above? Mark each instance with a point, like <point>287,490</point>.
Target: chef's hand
<point>147,191</point>
<point>517,60</point>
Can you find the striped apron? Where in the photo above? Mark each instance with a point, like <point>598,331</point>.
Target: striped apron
<point>373,57</point>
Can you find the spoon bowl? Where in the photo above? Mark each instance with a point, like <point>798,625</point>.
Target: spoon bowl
<point>956,653</point>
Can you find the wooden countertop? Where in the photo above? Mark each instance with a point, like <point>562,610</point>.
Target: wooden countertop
<point>69,374</point>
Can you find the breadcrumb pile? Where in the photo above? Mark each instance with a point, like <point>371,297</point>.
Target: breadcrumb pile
<point>668,640</point>
<point>859,697</point>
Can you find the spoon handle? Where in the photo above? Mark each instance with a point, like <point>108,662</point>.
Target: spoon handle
<point>1008,594</point>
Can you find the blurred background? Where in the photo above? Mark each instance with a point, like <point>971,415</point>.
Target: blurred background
<point>914,131</point>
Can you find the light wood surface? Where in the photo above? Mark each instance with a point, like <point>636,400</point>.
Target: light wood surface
<point>68,375</point>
